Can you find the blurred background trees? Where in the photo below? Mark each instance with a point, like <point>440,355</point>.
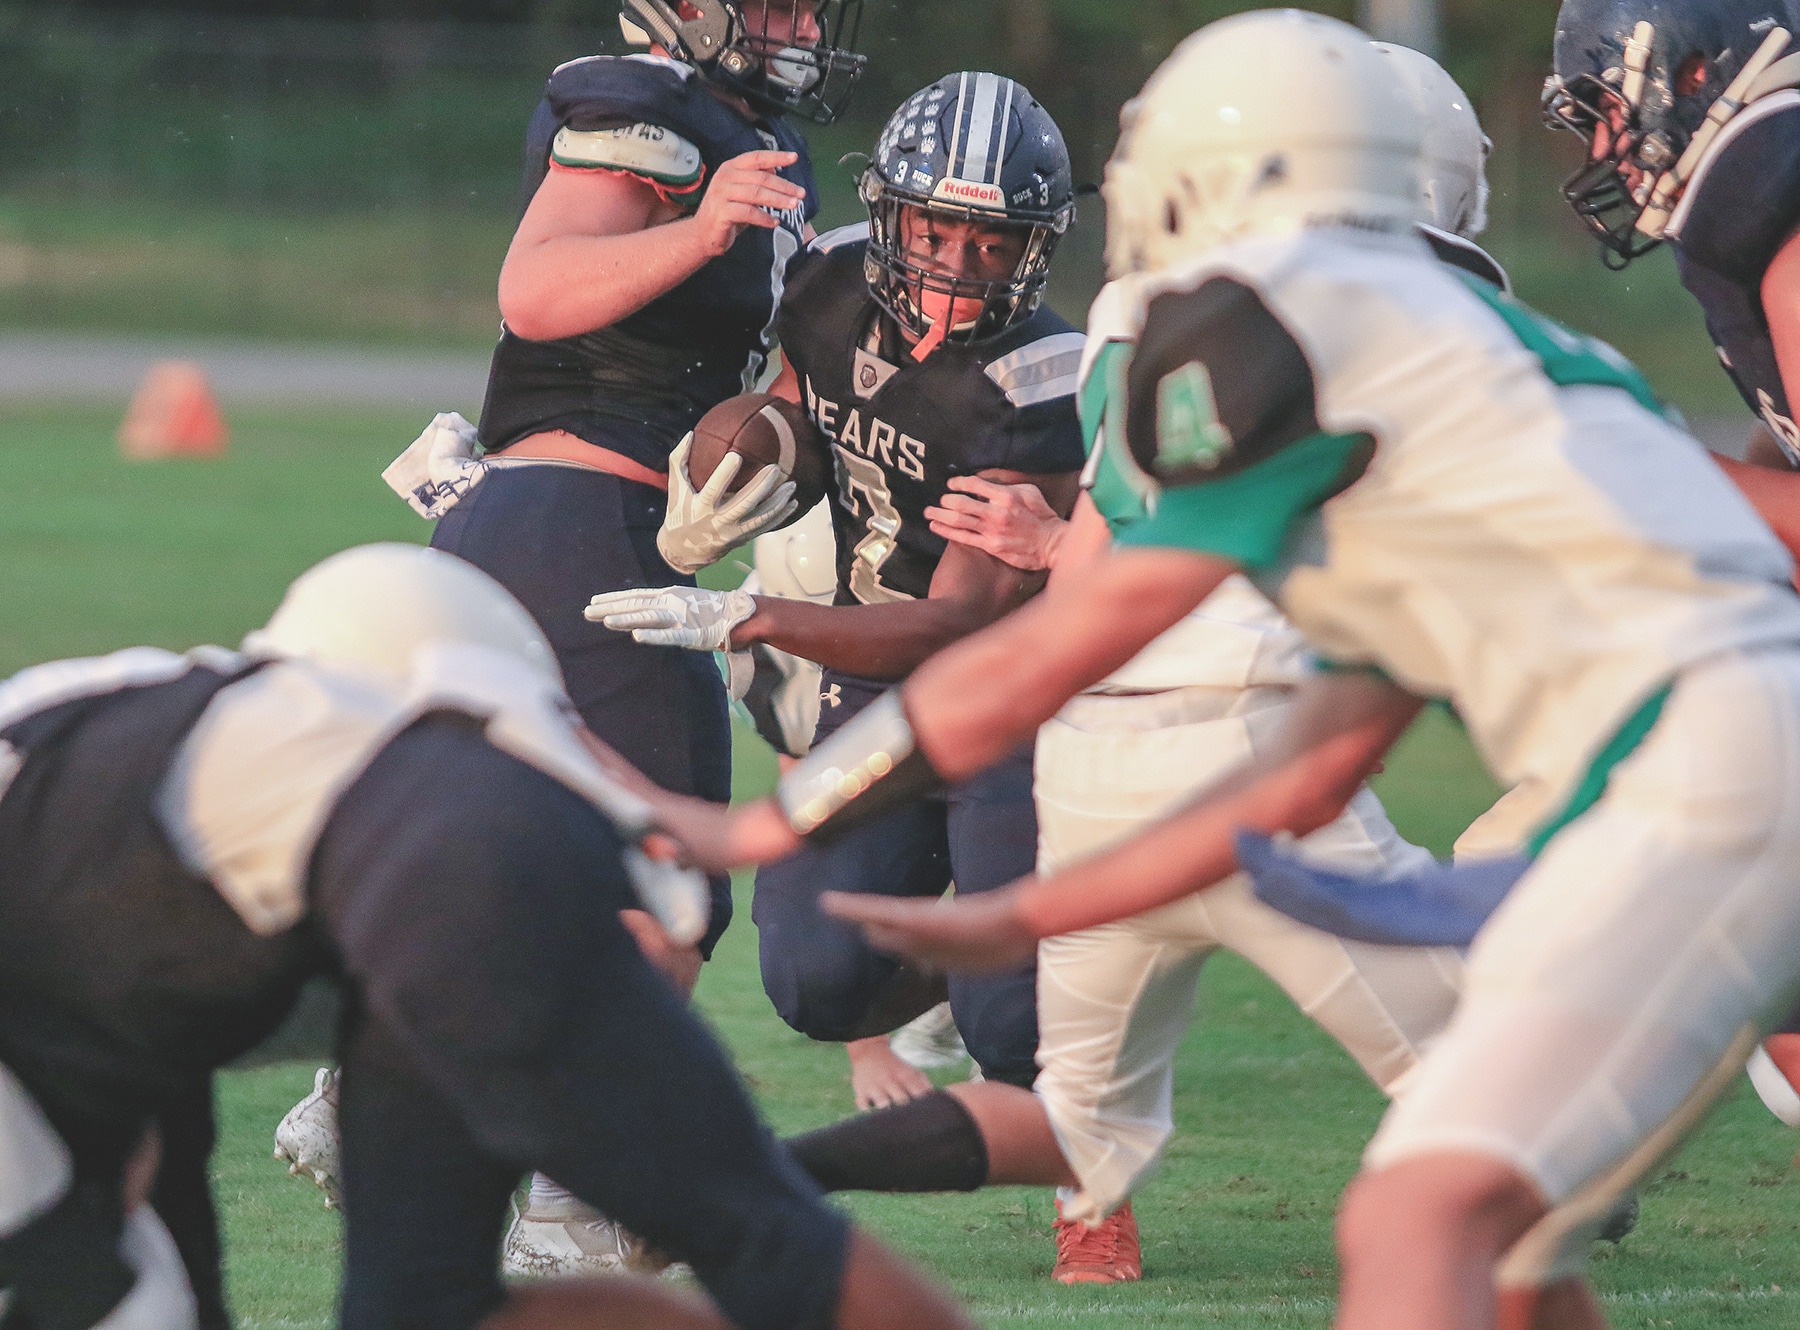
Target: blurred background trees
<point>349,168</point>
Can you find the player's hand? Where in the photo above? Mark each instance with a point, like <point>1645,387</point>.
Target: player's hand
<point>697,529</point>
<point>879,1078</point>
<point>746,191</point>
<point>982,933</point>
<point>681,964</point>
<point>717,839</point>
<point>675,616</point>
<point>1011,522</point>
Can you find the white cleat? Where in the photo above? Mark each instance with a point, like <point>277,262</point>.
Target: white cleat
<point>307,1139</point>
<point>568,1238</point>
<point>929,1040</point>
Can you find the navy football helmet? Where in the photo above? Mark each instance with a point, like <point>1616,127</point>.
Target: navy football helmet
<point>974,147</point>
<point>728,41</point>
<point>1647,84</point>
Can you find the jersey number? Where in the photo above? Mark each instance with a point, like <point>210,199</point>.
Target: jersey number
<point>863,485</point>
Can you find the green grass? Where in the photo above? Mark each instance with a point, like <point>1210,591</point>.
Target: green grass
<point>102,553</point>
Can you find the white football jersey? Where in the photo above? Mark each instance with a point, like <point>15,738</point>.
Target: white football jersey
<point>1438,483</point>
<point>1236,638</point>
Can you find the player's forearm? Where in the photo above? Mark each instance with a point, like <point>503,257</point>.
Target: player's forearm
<point>981,698</point>
<point>1194,849</point>
<point>573,284</point>
<point>874,641</point>
<point>1774,494</point>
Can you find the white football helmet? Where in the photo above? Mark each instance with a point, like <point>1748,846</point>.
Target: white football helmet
<point>373,607</point>
<point>1453,168</point>
<point>1261,124</point>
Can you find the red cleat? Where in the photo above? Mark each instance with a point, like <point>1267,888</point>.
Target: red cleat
<point>1106,1253</point>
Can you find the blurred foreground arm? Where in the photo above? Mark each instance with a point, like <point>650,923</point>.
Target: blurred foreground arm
<point>1335,736</point>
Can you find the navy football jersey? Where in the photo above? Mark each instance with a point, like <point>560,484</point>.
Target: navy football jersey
<point>639,385</point>
<point>900,429</point>
<point>1739,209</point>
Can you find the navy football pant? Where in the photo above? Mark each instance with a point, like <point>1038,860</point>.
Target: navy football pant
<point>823,976</point>
<point>555,535</point>
<point>500,1018</point>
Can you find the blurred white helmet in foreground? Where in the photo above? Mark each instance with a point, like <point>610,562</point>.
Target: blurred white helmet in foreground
<point>1453,163</point>
<point>1261,124</point>
<point>374,606</point>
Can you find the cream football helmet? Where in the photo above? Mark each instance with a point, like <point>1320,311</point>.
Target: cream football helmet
<point>373,607</point>
<point>1453,187</point>
<point>1261,124</point>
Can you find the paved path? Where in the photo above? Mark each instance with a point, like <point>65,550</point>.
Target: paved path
<point>50,367</point>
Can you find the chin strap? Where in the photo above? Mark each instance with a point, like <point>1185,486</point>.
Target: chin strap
<point>1749,85</point>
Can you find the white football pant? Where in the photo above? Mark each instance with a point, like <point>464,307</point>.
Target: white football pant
<point>1616,992</point>
<point>1115,1001</point>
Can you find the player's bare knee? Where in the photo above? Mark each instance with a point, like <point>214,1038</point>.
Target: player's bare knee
<point>1468,1201</point>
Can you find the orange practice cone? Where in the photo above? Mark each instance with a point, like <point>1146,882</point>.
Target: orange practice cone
<point>173,414</point>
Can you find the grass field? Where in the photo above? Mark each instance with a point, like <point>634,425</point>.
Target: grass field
<point>100,553</point>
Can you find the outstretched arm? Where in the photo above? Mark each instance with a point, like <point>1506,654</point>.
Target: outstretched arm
<point>977,701</point>
<point>970,590</point>
<point>1775,494</point>
<point>1335,736</point>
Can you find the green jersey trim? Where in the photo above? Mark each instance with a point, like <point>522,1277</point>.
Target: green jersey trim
<point>1569,358</point>
<point>1622,745</point>
<point>1118,500</point>
<point>1246,517</point>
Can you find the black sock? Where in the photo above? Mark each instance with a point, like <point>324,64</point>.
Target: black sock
<point>929,1144</point>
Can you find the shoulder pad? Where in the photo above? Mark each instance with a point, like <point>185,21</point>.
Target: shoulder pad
<point>605,92</point>
<point>1462,253</point>
<point>844,235</point>
<point>1216,383</point>
<point>1735,172</point>
<point>41,687</point>
<point>1040,371</point>
<point>658,155</point>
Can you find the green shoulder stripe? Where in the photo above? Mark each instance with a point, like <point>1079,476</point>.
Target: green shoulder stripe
<point>1568,357</point>
<point>1113,494</point>
<point>1246,517</point>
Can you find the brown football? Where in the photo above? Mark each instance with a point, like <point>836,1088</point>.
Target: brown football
<point>766,430</point>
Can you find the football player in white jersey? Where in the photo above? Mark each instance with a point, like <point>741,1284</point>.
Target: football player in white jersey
<point>1691,119</point>
<point>1452,497</point>
<point>1114,1001</point>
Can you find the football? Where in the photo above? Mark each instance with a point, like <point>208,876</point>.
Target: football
<point>766,430</point>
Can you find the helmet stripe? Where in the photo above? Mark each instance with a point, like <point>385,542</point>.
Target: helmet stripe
<point>981,128</point>
<point>956,120</point>
<point>1006,101</point>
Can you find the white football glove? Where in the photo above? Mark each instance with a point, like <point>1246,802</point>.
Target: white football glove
<point>675,616</point>
<point>697,531</point>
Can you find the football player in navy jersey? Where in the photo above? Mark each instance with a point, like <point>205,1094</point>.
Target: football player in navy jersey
<point>921,350</point>
<point>666,193</point>
<point>1691,114</point>
<point>386,785</point>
